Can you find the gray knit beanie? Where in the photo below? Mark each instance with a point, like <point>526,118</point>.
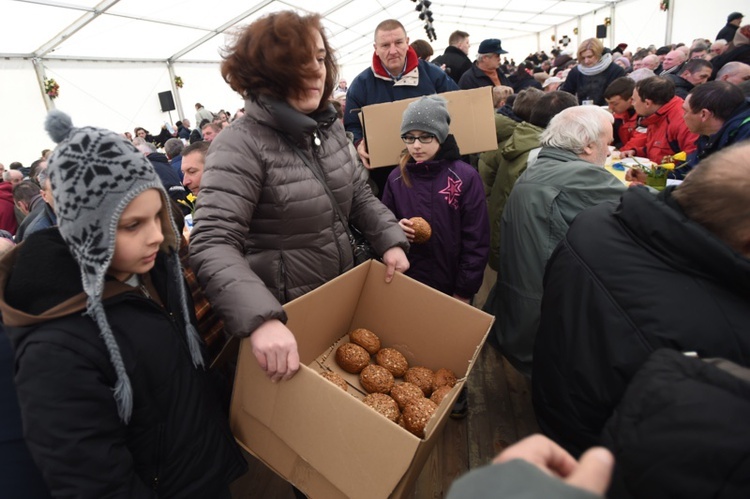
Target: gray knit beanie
<point>428,114</point>
<point>95,173</point>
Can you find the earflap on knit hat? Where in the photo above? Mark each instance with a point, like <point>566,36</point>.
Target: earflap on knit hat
<point>428,114</point>
<point>95,174</point>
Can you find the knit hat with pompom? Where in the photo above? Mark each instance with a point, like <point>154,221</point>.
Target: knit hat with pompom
<point>95,173</point>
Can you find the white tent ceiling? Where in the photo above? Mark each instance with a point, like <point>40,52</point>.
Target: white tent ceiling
<point>112,57</point>
<point>193,30</point>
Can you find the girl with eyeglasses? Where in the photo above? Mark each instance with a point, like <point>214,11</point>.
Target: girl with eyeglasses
<point>433,183</point>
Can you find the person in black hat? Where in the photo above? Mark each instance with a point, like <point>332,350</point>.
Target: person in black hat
<point>734,20</point>
<point>485,72</point>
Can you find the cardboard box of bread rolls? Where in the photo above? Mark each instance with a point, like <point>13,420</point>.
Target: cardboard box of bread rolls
<point>472,123</point>
<point>325,440</point>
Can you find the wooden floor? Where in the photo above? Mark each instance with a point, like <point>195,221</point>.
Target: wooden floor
<point>500,413</point>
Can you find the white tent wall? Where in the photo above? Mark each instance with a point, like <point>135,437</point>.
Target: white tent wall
<point>203,83</point>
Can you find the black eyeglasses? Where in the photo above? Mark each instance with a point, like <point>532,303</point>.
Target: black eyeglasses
<point>424,139</point>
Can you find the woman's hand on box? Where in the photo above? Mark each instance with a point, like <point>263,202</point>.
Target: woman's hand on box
<point>275,348</point>
<point>395,261</point>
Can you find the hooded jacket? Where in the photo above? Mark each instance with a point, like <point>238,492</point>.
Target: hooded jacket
<point>265,231</point>
<point>448,194</point>
<point>512,161</point>
<point>609,302</point>
<point>543,203</point>
<point>666,133</point>
<point>375,86</point>
<point>64,378</point>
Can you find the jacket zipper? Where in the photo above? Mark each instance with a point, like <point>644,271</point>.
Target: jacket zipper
<point>282,279</point>
<point>157,467</point>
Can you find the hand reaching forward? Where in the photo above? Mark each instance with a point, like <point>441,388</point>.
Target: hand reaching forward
<point>592,472</point>
<point>275,348</point>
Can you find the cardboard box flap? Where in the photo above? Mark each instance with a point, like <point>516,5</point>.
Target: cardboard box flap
<point>406,309</point>
<point>472,123</point>
<point>316,327</point>
<point>358,438</point>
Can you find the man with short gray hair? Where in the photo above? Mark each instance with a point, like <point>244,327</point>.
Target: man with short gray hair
<point>734,72</point>
<point>567,177</point>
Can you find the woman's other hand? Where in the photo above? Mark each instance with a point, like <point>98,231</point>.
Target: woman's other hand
<point>395,261</point>
<point>275,348</point>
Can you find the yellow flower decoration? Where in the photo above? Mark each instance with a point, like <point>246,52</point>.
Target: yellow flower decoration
<point>680,156</point>
<point>667,166</point>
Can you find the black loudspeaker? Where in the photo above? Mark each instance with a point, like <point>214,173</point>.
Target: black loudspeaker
<point>166,100</point>
<point>601,31</point>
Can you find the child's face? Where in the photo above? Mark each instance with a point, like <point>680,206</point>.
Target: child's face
<point>138,236</point>
<point>422,152</point>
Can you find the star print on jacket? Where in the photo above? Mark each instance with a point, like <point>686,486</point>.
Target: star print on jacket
<point>452,191</point>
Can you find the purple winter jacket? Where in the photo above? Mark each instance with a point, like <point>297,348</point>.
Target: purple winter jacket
<point>450,196</point>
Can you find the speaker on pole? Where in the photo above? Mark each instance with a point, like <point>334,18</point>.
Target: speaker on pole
<point>601,31</point>
<point>167,101</point>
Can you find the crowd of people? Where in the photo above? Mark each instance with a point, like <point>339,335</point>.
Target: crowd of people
<point>627,306</point>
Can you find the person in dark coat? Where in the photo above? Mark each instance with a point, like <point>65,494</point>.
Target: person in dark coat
<point>655,271</point>
<point>455,58</point>
<point>734,20</point>
<point>695,72</point>
<point>395,73</point>
<point>593,74</point>
<point>738,51</point>
<point>679,430</point>
<point>523,78</point>
<point>114,397</point>
<point>19,476</point>
<point>485,72</point>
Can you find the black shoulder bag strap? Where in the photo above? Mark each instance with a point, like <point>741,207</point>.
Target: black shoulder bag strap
<point>321,178</point>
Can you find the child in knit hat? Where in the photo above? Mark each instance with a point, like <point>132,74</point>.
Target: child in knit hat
<point>433,183</point>
<point>109,369</point>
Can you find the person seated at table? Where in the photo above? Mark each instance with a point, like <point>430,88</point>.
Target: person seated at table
<point>666,131</point>
<point>619,97</point>
<point>567,177</point>
<point>667,270</point>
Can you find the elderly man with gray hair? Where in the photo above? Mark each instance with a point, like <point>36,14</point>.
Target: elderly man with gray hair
<point>567,177</point>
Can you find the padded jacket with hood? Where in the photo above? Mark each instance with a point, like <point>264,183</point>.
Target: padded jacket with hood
<point>265,230</point>
<point>177,443</point>
<point>626,280</point>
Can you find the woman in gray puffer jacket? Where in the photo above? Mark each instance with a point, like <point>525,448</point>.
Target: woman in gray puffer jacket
<point>265,228</point>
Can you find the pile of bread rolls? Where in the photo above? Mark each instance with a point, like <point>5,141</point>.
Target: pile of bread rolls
<point>405,403</point>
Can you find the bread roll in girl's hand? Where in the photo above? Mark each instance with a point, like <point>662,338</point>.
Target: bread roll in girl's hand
<point>422,230</point>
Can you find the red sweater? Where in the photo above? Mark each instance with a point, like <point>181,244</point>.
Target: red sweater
<point>7,208</point>
<point>667,133</point>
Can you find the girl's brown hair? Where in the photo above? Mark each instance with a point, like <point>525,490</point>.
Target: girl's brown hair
<point>272,55</point>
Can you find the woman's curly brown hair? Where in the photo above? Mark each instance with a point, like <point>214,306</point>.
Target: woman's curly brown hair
<point>271,56</point>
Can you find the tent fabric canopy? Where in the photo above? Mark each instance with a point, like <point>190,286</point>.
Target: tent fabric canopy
<point>112,58</point>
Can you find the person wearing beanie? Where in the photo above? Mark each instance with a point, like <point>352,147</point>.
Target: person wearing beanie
<point>734,21</point>
<point>108,361</point>
<point>434,184</point>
